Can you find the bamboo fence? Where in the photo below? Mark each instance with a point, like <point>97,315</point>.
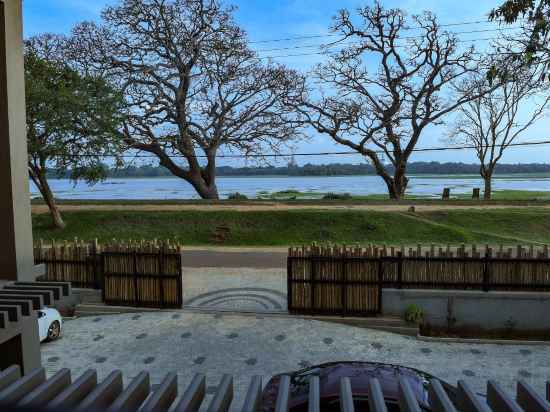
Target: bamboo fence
<point>136,273</point>
<point>143,274</point>
<point>349,280</point>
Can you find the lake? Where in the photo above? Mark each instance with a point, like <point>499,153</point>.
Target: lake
<point>175,188</point>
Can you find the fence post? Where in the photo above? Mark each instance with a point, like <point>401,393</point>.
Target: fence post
<point>313,281</point>
<point>344,285</point>
<point>180,280</point>
<point>399,270</point>
<point>102,258</point>
<point>135,279</point>
<point>161,276</point>
<point>380,284</point>
<point>486,284</point>
<point>289,283</point>
<point>97,284</point>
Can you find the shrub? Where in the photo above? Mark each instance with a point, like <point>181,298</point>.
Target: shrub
<point>337,196</point>
<point>414,314</point>
<point>237,196</point>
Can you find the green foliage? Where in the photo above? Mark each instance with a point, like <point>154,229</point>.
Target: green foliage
<point>237,196</point>
<point>72,118</point>
<point>414,314</point>
<point>337,196</point>
<point>535,16</point>
<point>512,10</point>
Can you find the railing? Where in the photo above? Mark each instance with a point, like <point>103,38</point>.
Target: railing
<point>349,281</point>
<point>59,392</point>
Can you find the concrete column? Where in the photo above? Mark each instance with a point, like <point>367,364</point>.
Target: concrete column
<point>16,244</point>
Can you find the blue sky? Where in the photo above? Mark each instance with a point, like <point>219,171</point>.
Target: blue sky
<point>275,19</point>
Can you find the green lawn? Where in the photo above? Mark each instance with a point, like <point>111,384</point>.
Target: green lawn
<point>509,195</point>
<point>295,227</point>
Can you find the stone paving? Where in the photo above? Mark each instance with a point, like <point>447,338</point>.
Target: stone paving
<point>189,343</point>
<point>243,289</point>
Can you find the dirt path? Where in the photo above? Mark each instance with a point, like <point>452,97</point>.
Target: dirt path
<point>278,206</point>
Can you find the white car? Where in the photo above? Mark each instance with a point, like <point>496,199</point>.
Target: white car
<point>49,324</point>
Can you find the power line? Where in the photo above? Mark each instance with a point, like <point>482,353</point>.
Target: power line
<point>325,53</point>
<point>316,36</point>
<point>241,156</point>
<point>399,38</point>
<point>329,53</point>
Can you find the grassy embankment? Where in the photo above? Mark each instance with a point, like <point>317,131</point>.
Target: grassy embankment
<point>295,227</point>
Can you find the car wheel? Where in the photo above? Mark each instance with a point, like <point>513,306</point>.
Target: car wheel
<point>54,331</point>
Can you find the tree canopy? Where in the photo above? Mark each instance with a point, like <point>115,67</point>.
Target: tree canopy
<point>531,47</point>
<point>380,92</point>
<point>191,84</point>
<point>71,118</point>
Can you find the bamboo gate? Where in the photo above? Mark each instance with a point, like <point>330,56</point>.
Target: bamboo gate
<point>146,274</point>
<point>340,280</point>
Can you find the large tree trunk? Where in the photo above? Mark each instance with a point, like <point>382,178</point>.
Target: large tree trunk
<point>40,180</point>
<point>203,180</point>
<point>206,190</point>
<point>488,182</point>
<point>397,184</point>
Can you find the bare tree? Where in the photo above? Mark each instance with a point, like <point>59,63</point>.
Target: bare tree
<point>491,123</point>
<point>191,83</point>
<point>382,90</point>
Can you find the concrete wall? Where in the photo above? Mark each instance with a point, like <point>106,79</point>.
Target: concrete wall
<point>473,309</point>
<point>16,259</point>
<point>27,328</point>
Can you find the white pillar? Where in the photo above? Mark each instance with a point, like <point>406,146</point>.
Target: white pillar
<point>16,244</point>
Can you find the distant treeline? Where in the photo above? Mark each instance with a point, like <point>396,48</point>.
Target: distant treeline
<point>333,169</point>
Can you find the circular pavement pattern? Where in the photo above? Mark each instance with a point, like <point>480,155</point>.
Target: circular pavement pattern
<point>247,299</point>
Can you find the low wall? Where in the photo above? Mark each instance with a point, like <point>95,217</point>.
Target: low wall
<point>473,309</point>
<point>21,343</point>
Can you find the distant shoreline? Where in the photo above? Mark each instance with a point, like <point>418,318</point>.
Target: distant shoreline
<point>432,175</point>
<point>326,170</point>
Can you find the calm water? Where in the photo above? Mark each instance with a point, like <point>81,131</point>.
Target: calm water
<point>174,188</point>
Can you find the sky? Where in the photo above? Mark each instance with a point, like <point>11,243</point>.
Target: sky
<point>266,20</point>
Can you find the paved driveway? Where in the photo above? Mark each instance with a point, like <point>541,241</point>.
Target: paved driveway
<point>240,288</point>
<point>244,346</point>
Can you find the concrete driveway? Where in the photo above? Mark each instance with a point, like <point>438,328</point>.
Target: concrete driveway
<point>237,279</point>
<point>188,343</point>
<point>241,289</point>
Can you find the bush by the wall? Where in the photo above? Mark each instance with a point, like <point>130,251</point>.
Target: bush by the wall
<point>414,314</point>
